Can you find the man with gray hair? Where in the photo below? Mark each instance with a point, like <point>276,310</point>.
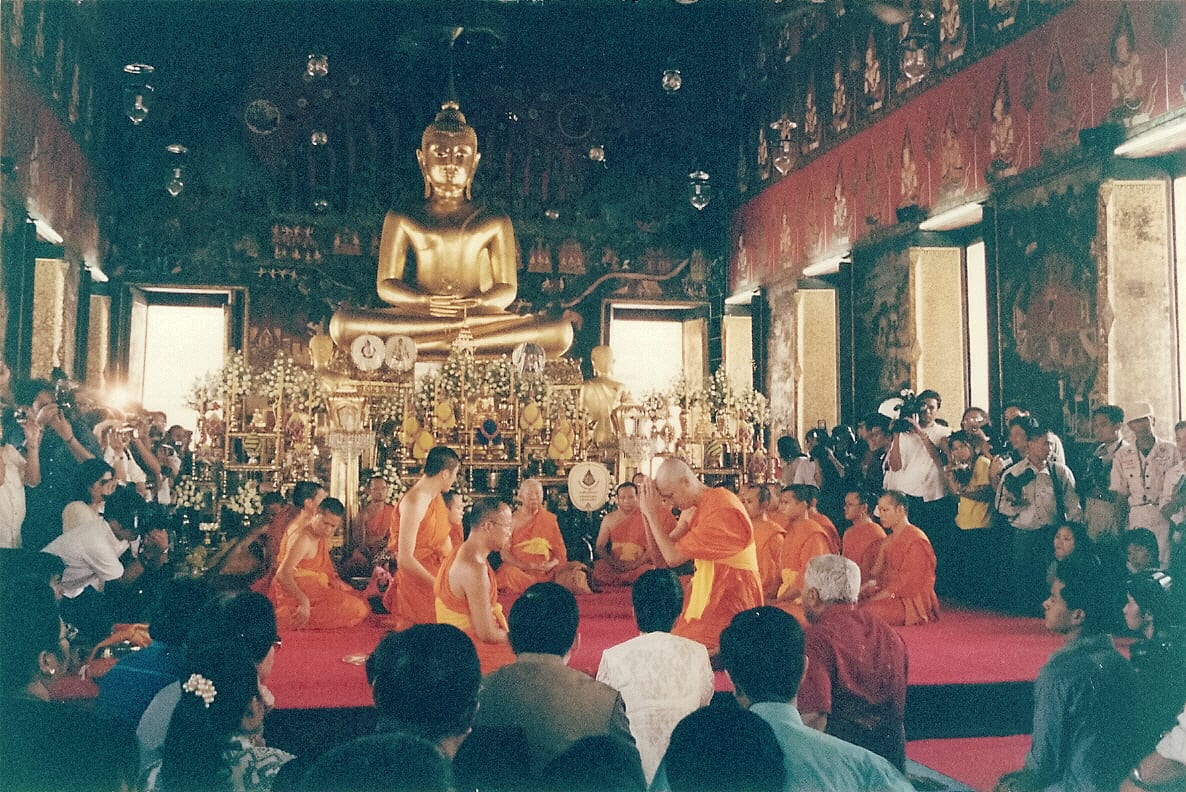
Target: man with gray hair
<point>855,684</point>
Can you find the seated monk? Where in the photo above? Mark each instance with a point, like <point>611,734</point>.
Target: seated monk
<point>536,547</point>
<point>306,497</point>
<point>419,537</point>
<point>863,538</point>
<point>449,263</point>
<point>306,590</point>
<point>622,542</point>
<point>718,537</point>
<point>902,590</point>
<point>824,521</point>
<point>374,518</point>
<point>466,589</point>
<point>805,540</point>
<point>768,537</point>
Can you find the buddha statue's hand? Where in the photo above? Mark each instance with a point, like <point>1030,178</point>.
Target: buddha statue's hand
<point>450,307</point>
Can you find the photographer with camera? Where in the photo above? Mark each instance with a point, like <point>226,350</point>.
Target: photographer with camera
<point>20,464</point>
<point>125,449</point>
<point>914,466</point>
<point>1036,496</point>
<point>828,473</point>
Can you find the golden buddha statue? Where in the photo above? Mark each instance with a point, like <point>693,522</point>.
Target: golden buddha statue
<point>449,264</point>
<point>602,395</point>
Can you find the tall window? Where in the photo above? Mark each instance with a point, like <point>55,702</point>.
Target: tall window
<point>182,343</point>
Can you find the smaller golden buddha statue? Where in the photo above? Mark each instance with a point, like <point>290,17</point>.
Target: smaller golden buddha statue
<point>449,263</point>
<point>601,395</point>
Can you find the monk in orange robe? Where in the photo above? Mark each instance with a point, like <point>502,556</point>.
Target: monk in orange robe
<point>419,538</point>
<point>719,538</point>
<point>536,547</point>
<point>863,538</point>
<point>375,520</point>
<point>768,537</point>
<point>466,588</point>
<point>805,540</point>
<point>622,542</point>
<point>902,588</point>
<point>306,591</point>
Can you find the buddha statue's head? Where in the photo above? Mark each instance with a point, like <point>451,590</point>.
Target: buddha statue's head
<point>448,155</point>
<point>602,358</point>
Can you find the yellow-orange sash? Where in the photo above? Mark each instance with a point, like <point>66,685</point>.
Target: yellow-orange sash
<point>702,580</point>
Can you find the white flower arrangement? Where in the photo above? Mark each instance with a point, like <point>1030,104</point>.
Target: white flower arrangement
<point>495,377</point>
<point>719,395</point>
<point>188,493</point>
<point>203,392</point>
<point>458,368</point>
<point>201,687</point>
<point>654,405</point>
<point>532,388</point>
<point>425,399</point>
<point>562,403</point>
<point>236,378</point>
<point>246,501</point>
<point>685,394</point>
<point>752,407</point>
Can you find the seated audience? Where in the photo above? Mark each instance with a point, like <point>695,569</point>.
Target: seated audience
<point>92,554</point>
<point>719,748</point>
<point>380,763</point>
<point>762,650</point>
<point>536,547</point>
<point>215,737</point>
<point>1070,540</point>
<point>553,704</point>
<point>306,590</point>
<point>467,589</point>
<point>425,683</point>
<point>49,746</point>
<point>660,676</point>
<point>855,685</point>
<point>1082,734</point>
<point>768,536</point>
<point>1141,551</point>
<point>594,764</point>
<point>902,589</point>
<point>244,619</point>
<point>127,689</point>
<point>863,538</point>
<point>1158,657</point>
<point>622,542</point>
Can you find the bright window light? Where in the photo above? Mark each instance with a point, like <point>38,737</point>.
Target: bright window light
<point>183,343</point>
<point>648,355</point>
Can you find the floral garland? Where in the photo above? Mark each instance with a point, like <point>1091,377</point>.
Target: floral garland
<point>246,500</point>
<point>236,379</point>
<point>532,388</point>
<point>188,493</point>
<point>494,377</point>
<point>425,399</point>
<point>395,484</point>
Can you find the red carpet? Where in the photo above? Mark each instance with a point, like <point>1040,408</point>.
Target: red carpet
<point>977,762</point>
<point>312,668</point>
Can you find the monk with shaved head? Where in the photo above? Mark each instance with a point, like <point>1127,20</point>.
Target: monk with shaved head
<point>719,539</point>
<point>536,547</point>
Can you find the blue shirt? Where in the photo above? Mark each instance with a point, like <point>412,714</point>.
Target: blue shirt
<point>818,762</point>
<point>126,690</point>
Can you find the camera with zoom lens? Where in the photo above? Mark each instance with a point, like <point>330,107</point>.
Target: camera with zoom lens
<point>910,405</point>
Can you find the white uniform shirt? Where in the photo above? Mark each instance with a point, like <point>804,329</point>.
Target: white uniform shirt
<point>91,555</point>
<point>919,476</point>
<point>1139,478</point>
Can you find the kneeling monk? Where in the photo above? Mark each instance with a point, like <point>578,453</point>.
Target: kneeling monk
<point>466,590</point>
<point>622,554</point>
<point>306,590</point>
<point>536,547</point>
<point>902,590</point>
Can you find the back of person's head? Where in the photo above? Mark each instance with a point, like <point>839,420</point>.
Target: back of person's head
<point>179,603</point>
<point>390,762</point>
<point>449,496</point>
<point>493,759</point>
<point>19,561</point>
<point>440,458</point>
<point>595,764</point>
<point>245,618</point>
<point>25,392</point>
<point>29,627</point>
<point>271,499</point>
<point>482,510</point>
<point>876,420</point>
<point>218,686</point>
<point>1083,589</point>
<point>658,599</point>
<point>835,578</point>
<point>762,649</point>
<point>332,506</point>
<point>544,620</point>
<point>126,507</point>
<point>425,680</point>
<point>1111,413</point>
<point>723,748</point>
<point>788,447</point>
<point>86,474</point>
<point>1152,596</point>
<point>302,491</point>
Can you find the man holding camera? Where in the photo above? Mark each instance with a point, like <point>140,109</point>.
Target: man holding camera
<point>1036,496</point>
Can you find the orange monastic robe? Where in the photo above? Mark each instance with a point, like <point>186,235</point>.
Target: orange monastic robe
<point>905,567</point>
<point>332,602</point>
<point>410,601</point>
<point>627,542</point>
<point>536,541</point>
<point>769,536</point>
<point>721,541</point>
<point>452,609</point>
<point>862,540</point>
<point>805,540</point>
<point>833,535</point>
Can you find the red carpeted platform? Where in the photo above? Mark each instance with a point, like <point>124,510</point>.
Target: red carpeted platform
<point>323,669</point>
<point>977,762</point>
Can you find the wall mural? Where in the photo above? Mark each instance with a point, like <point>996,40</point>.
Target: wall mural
<point>884,344</point>
<point>1014,109</point>
<point>1050,329</point>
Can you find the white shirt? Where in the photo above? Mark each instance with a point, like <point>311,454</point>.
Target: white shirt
<point>662,678</point>
<point>133,473</point>
<point>1173,744</point>
<point>1141,478</point>
<point>1038,506</point>
<point>91,555</point>
<point>12,496</point>
<point>936,432</point>
<point>919,476</point>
